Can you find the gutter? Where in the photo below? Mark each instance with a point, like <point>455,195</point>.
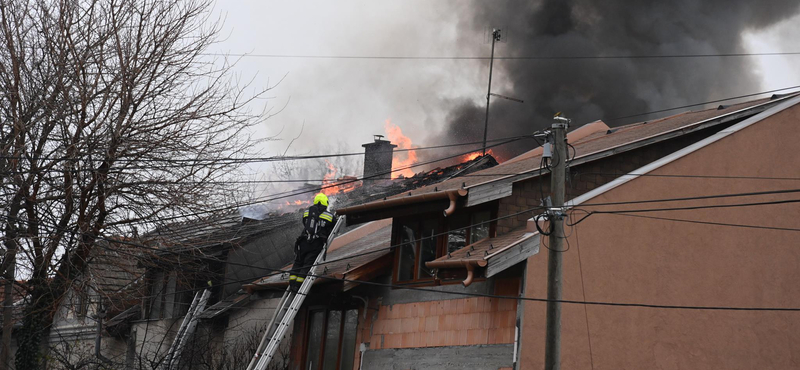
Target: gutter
<point>452,195</point>
<point>470,265</point>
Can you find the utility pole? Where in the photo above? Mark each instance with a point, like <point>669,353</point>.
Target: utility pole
<point>495,37</point>
<point>558,174</point>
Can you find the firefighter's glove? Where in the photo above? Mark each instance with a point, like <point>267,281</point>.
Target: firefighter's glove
<point>297,244</point>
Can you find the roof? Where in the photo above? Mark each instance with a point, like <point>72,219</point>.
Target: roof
<point>234,300</point>
<point>496,254</point>
<point>794,100</point>
<point>215,230</point>
<point>363,245</point>
<point>592,143</point>
<point>230,227</point>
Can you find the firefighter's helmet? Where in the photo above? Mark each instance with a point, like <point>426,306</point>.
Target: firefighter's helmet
<point>321,199</point>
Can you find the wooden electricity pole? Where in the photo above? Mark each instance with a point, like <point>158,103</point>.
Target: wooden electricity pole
<point>554,262</point>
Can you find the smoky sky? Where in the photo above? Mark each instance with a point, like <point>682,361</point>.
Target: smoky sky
<point>590,89</point>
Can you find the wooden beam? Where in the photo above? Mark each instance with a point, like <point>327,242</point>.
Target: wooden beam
<point>512,256</point>
<point>368,271</point>
<point>490,192</point>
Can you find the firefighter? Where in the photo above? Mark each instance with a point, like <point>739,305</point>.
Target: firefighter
<point>317,225</point>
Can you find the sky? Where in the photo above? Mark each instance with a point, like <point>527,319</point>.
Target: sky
<point>335,105</point>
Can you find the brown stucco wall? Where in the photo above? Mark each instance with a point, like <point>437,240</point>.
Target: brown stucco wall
<point>615,258</point>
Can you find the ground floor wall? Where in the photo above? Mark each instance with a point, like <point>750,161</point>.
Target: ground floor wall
<point>477,357</point>
<point>244,329</point>
<point>73,347</point>
<point>153,338</point>
<point>408,329</point>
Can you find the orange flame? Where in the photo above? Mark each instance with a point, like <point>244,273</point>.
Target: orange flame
<point>395,135</point>
<point>329,179</point>
<point>331,185</point>
<point>294,204</point>
<point>473,155</point>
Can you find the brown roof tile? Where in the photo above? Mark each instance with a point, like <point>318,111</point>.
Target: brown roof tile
<point>487,248</point>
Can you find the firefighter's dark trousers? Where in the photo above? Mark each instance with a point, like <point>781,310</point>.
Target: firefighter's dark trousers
<point>305,256</point>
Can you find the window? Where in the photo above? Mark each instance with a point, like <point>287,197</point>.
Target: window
<point>418,239</point>
<point>81,301</point>
<point>331,342</point>
<point>481,226</point>
<point>172,292</point>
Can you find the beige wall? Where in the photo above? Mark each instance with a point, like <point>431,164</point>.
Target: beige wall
<point>635,260</point>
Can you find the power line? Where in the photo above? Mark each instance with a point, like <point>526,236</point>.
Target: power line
<point>475,57</point>
<point>688,208</point>
<point>691,176</point>
<point>533,299</point>
<point>280,158</point>
<point>759,227</point>
<point>701,197</point>
<point>704,103</point>
<point>183,252</point>
<point>319,156</point>
<point>294,193</point>
<point>584,302</point>
<point>532,209</point>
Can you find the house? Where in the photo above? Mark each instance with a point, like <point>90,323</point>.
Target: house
<point>219,252</point>
<point>423,281</point>
<point>222,252</point>
<point>111,283</point>
<point>724,253</point>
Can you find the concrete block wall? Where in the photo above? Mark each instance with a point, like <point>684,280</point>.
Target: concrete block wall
<point>450,332</point>
<point>456,322</point>
<point>446,322</point>
<point>480,357</point>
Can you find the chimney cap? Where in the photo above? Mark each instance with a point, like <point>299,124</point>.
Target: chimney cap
<point>379,142</point>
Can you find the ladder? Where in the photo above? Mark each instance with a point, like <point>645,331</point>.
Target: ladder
<point>186,330</point>
<point>287,309</point>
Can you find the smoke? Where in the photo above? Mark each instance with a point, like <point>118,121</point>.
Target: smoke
<point>590,89</point>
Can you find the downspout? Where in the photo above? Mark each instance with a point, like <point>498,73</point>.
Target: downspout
<point>470,275</point>
<point>520,318</point>
<point>362,347</point>
<point>453,196</point>
<point>101,314</point>
<point>470,265</point>
<point>366,304</point>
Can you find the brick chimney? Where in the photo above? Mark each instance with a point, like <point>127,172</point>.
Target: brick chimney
<point>378,158</point>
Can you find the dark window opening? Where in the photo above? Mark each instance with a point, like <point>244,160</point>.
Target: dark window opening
<point>418,239</point>
<point>331,341</point>
<point>172,292</point>
<point>81,301</point>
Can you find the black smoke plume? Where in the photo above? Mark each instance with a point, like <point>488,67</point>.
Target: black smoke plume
<point>590,89</point>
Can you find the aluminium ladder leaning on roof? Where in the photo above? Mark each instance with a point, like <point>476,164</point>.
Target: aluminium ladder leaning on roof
<point>287,309</point>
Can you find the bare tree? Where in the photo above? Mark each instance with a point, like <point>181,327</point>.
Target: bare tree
<point>111,115</point>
